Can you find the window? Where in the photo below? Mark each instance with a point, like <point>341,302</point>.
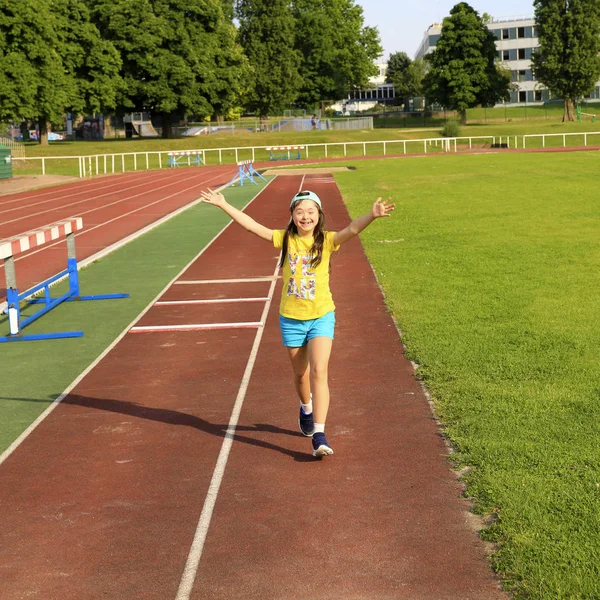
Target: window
<point>521,53</point>
<point>505,54</point>
<point>522,96</point>
<point>538,95</point>
<point>505,34</point>
<point>522,76</point>
<point>520,32</point>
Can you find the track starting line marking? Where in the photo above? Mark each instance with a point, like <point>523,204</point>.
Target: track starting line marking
<point>202,281</point>
<point>196,327</point>
<point>216,301</point>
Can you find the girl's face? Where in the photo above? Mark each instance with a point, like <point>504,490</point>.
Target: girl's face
<point>306,217</point>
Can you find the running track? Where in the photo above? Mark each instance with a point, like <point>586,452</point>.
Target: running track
<point>124,490</point>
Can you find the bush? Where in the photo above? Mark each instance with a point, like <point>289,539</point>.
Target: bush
<point>451,129</point>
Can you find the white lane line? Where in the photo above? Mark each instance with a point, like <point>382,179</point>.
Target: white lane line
<point>90,229</point>
<point>105,251</point>
<point>195,327</point>
<point>214,301</point>
<point>169,183</point>
<point>58,400</point>
<point>193,561</point>
<point>246,280</point>
<point>83,189</point>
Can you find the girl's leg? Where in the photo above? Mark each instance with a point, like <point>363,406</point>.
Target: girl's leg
<point>299,358</point>
<point>319,351</point>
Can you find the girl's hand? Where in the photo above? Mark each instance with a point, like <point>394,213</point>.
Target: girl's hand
<point>381,208</point>
<point>211,197</point>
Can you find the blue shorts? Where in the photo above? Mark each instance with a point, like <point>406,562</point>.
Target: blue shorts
<point>296,333</point>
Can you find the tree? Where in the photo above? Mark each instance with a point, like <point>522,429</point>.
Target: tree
<point>267,34</point>
<point>337,50</point>
<point>53,61</point>
<point>178,58</point>
<point>406,76</point>
<point>463,71</point>
<point>397,65</point>
<point>567,60</point>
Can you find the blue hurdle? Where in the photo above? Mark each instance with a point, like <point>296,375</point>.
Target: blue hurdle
<point>285,152</point>
<point>245,172</point>
<point>177,159</point>
<point>9,248</point>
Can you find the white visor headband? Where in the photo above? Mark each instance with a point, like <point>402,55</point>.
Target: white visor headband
<point>306,195</point>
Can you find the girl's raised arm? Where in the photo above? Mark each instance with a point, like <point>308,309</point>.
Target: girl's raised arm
<point>247,222</point>
<point>380,208</point>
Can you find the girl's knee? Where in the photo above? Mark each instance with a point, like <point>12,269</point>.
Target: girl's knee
<point>319,371</point>
<point>301,377</point>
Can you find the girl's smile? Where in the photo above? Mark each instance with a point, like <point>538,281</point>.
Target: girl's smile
<point>305,217</point>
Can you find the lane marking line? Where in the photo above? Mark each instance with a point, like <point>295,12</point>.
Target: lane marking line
<point>136,234</point>
<point>79,191</point>
<point>191,567</point>
<point>85,372</point>
<point>215,301</point>
<point>167,184</point>
<point>210,281</point>
<point>195,327</point>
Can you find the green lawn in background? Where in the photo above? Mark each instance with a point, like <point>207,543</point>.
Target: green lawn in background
<point>490,267</point>
<point>142,268</point>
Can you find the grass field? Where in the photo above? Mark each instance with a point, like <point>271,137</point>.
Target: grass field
<point>490,268</point>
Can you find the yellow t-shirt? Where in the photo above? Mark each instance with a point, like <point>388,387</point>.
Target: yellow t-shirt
<point>306,294</point>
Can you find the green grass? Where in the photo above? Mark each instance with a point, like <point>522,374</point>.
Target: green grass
<point>490,267</point>
<point>141,268</point>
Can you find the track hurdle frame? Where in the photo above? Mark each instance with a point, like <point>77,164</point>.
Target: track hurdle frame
<point>186,157</point>
<point>284,152</point>
<point>246,171</point>
<point>9,248</point>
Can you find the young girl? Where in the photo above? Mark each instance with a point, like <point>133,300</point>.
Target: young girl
<point>307,312</point>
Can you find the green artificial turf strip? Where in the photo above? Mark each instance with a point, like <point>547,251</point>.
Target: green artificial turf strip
<point>34,373</point>
<point>490,267</point>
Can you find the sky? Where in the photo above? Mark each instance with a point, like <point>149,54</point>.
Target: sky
<point>403,23</point>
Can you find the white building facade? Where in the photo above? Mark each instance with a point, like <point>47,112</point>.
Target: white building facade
<point>516,40</point>
<point>378,92</point>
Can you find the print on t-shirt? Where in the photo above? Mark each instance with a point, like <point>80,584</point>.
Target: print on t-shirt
<point>307,289</point>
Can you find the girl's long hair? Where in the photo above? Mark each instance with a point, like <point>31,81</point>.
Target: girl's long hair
<point>318,237</point>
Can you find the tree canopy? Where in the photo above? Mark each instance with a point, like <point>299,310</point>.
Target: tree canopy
<point>406,76</point>
<point>53,61</point>
<point>337,50</point>
<point>463,71</point>
<point>567,60</point>
<point>178,58</point>
<point>267,34</point>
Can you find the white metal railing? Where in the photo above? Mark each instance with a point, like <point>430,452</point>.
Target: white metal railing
<point>564,137</point>
<point>17,150</point>
<point>98,164</point>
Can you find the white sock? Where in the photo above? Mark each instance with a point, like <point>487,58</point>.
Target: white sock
<point>319,428</point>
<point>307,408</point>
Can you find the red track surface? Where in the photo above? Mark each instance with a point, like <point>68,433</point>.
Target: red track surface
<point>102,500</point>
<point>112,208</point>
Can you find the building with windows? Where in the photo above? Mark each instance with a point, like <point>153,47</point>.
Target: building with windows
<point>516,39</point>
<point>378,92</point>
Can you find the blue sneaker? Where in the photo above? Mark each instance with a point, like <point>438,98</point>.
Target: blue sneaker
<point>306,422</point>
<point>320,446</point>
